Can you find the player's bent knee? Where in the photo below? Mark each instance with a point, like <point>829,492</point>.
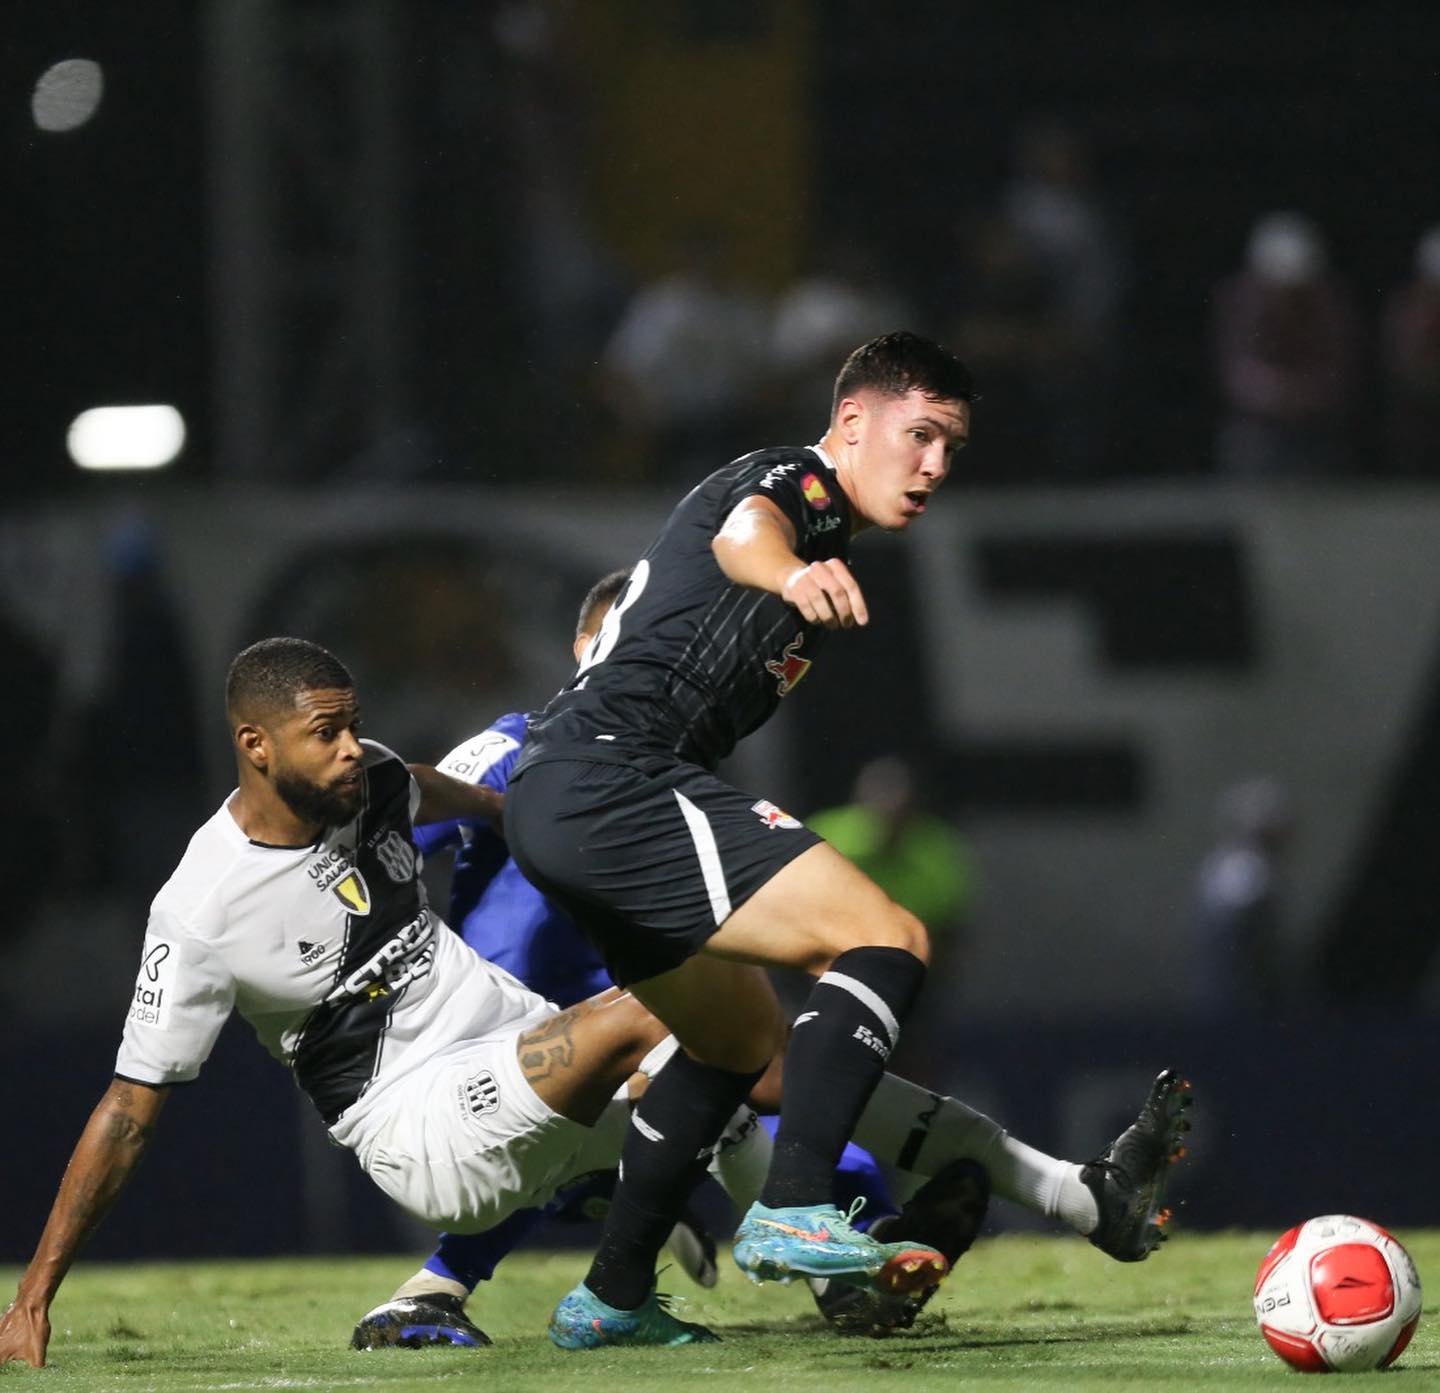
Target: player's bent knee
<point>908,933</point>
<point>897,928</point>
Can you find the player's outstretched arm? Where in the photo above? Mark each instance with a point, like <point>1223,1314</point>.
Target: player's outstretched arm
<point>109,1149</point>
<point>443,798</point>
<point>756,547</point>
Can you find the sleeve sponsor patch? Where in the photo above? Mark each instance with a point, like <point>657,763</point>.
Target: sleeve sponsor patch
<point>470,760</point>
<point>816,494</point>
<point>155,983</point>
<point>802,491</point>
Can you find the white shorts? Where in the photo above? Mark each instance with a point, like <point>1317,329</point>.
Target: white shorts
<point>466,1141</point>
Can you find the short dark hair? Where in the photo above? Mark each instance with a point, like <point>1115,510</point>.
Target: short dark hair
<point>903,362</point>
<point>603,592</point>
<point>270,675</point>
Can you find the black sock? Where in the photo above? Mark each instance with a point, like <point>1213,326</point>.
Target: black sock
<point>837,1052</point>
<point>666,1150</point>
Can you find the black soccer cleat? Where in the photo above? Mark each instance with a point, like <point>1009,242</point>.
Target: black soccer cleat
<point>946,1212</point>
<point>417,1322</point>
<point>1128,1179</point>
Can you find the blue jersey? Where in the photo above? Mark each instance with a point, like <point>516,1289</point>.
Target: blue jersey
<point>493,907</point>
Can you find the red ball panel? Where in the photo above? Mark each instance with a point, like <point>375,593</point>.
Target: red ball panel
<point>1295,1350</point>
<point>1352,1285</point>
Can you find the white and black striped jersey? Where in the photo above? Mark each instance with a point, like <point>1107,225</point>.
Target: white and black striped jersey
<point>687,662</point>
<point>329,951</point>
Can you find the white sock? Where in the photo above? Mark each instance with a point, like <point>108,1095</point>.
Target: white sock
<point>742,1158</point>
<point>906,1126</point>
<point>428,1283</point>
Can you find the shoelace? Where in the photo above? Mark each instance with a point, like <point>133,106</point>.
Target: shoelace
<point>848,1218</point>
<point>672,1305</point>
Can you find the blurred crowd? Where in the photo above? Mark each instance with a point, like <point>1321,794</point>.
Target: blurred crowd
<point>694,365</point>
<point>1290,359</point>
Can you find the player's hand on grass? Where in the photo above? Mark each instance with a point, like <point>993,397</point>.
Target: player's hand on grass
<point>827,594</point>
<point>24,1335</point>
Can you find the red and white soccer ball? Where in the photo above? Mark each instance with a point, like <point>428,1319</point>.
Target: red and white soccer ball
<point>1337,1294</point>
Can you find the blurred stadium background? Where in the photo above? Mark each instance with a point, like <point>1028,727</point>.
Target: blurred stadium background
<point>453,300</point>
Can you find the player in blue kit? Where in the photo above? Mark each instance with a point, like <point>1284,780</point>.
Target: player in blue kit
<point>492,906</point>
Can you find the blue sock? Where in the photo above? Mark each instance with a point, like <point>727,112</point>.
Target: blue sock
<point>859,1174</point>
<point>471,1258</point>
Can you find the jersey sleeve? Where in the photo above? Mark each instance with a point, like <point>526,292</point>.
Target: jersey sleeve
<point>802,488</point>
<point>488,759</point>
<point>183,995</point>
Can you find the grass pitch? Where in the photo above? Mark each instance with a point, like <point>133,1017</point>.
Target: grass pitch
<point>1020,1313</point>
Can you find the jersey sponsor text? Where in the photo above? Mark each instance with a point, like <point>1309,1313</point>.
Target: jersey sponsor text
<point>154,984</point>
<point>405,958</point>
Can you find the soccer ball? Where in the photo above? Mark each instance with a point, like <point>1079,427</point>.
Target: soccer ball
<point>1337,1293</point>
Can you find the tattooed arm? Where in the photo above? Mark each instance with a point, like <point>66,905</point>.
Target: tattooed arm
<point>105,1157</point>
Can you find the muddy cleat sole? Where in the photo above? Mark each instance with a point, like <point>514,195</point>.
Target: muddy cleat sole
<point>415,1322</point>
<point>583,1321</point>
<point>947,1213</point>
<point>1128,1179</point>
<point>779,1245</point>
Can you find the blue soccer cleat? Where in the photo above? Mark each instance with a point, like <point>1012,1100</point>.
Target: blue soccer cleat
<point>778,1245</point>
<point>583,1321</point>
<point>413,1322</point>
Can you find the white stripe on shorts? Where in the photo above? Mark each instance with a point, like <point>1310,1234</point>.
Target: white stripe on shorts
<point>866,997</point>
<point>709,855</point>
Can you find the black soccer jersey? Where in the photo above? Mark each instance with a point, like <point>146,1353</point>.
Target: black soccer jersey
<point>687,662</point>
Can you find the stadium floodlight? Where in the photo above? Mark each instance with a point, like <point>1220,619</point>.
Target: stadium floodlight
<point>67,94</point>
<point>126,437</point>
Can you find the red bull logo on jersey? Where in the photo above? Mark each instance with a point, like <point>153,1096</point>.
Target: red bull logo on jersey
<point>772,816</point>
<point>789,667</point>
<point>816,494</point>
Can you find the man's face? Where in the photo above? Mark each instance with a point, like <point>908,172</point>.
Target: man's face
<point>903,448</point>
<point>315,757</point>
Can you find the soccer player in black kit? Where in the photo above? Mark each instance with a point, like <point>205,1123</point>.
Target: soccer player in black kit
<point>691,888</point>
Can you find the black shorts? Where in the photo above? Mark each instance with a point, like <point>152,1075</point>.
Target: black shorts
<point>649,857</point>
